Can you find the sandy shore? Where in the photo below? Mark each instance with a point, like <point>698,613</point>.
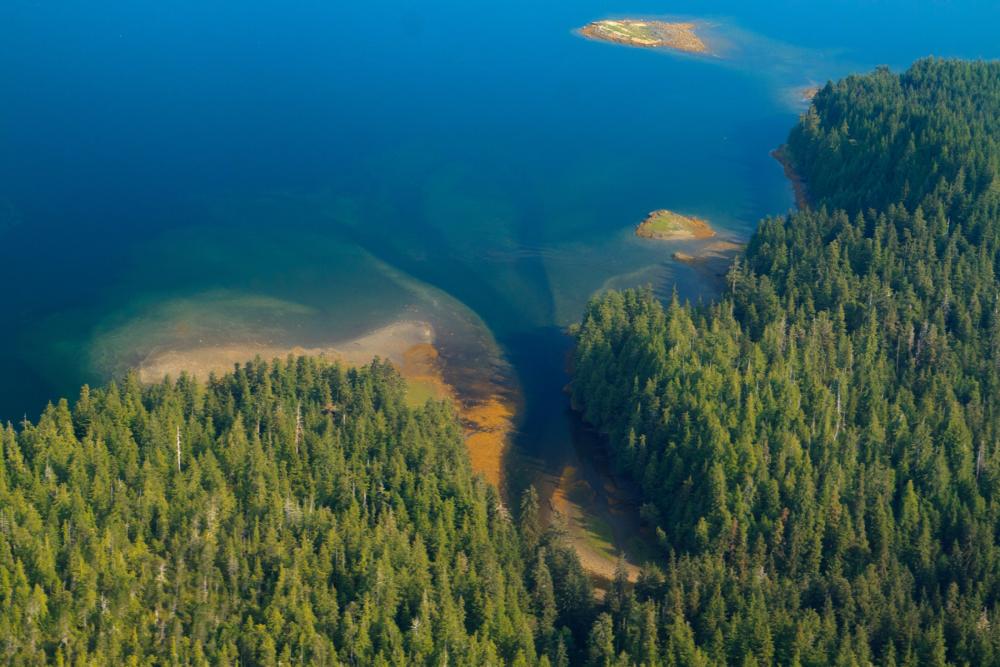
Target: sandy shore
<point>389,342</point>
<point>590,534</point>
<point>488,417</point>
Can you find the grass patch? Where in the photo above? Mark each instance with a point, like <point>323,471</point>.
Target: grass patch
<point>599,536</point>
<point>667,221</point>
<point>664,224</point>
<point>418,392</point>
<point>632,30</point>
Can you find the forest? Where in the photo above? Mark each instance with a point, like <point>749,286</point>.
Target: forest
<point>292,512</point>
<point>818,449</point>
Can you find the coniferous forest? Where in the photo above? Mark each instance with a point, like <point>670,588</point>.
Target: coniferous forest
<point>288,513</point>
<point>817,452</point>
<point>818,449</point>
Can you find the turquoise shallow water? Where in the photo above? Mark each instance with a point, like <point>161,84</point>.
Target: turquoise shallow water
<point>325,159</point>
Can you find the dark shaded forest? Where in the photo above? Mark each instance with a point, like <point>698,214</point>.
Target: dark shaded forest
<point>818,449</point>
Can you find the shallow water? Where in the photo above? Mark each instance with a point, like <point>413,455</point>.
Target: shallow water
<point>321,169</point>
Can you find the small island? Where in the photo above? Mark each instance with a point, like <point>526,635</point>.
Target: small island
<point>647,34</point>
<point>666,225</point>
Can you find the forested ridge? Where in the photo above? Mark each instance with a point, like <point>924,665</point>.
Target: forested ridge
<point>287,513</point>
<point>818,449</point>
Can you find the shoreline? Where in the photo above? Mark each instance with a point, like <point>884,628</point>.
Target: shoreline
<point>799,188</point>
<point>723,250</point>
<point>487,411</point>
<point>388,342</point>
<point>592,534</point>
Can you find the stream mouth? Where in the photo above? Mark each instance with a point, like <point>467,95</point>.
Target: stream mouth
<point>568,464</point>
<point>510,394</point>
<point>301,192</point>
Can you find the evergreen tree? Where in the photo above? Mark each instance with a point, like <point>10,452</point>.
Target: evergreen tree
<point>816,450</point>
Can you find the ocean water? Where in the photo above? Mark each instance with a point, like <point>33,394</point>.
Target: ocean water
<point>308,171</point>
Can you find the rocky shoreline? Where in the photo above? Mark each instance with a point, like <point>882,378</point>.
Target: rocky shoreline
<point>783,157</point>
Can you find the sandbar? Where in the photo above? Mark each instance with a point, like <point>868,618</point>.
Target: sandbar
<point>717,250</point>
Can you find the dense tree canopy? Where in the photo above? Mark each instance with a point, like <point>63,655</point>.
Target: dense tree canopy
<point>819,448</point>
<point>292,513</point>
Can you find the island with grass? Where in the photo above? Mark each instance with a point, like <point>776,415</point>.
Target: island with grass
<point>647,34</point>
<point>667,225</point>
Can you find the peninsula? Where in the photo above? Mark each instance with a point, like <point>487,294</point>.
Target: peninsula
<point>667,225</point>
<point>411,346</point>
<point>647,34</point>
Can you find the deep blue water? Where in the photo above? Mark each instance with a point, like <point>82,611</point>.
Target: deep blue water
<point>154,156</point>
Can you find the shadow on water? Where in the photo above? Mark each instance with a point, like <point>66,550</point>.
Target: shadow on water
<point>501,177</point>
<point>567,461</point>
<point>552,449</point>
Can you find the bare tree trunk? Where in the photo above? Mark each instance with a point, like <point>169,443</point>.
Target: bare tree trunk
<point>298,427</point>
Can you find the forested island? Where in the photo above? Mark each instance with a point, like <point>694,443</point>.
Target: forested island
<point>818,449</point>
<point>816,453</point>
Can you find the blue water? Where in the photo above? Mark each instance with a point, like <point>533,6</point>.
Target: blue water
<point>154,156</point>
